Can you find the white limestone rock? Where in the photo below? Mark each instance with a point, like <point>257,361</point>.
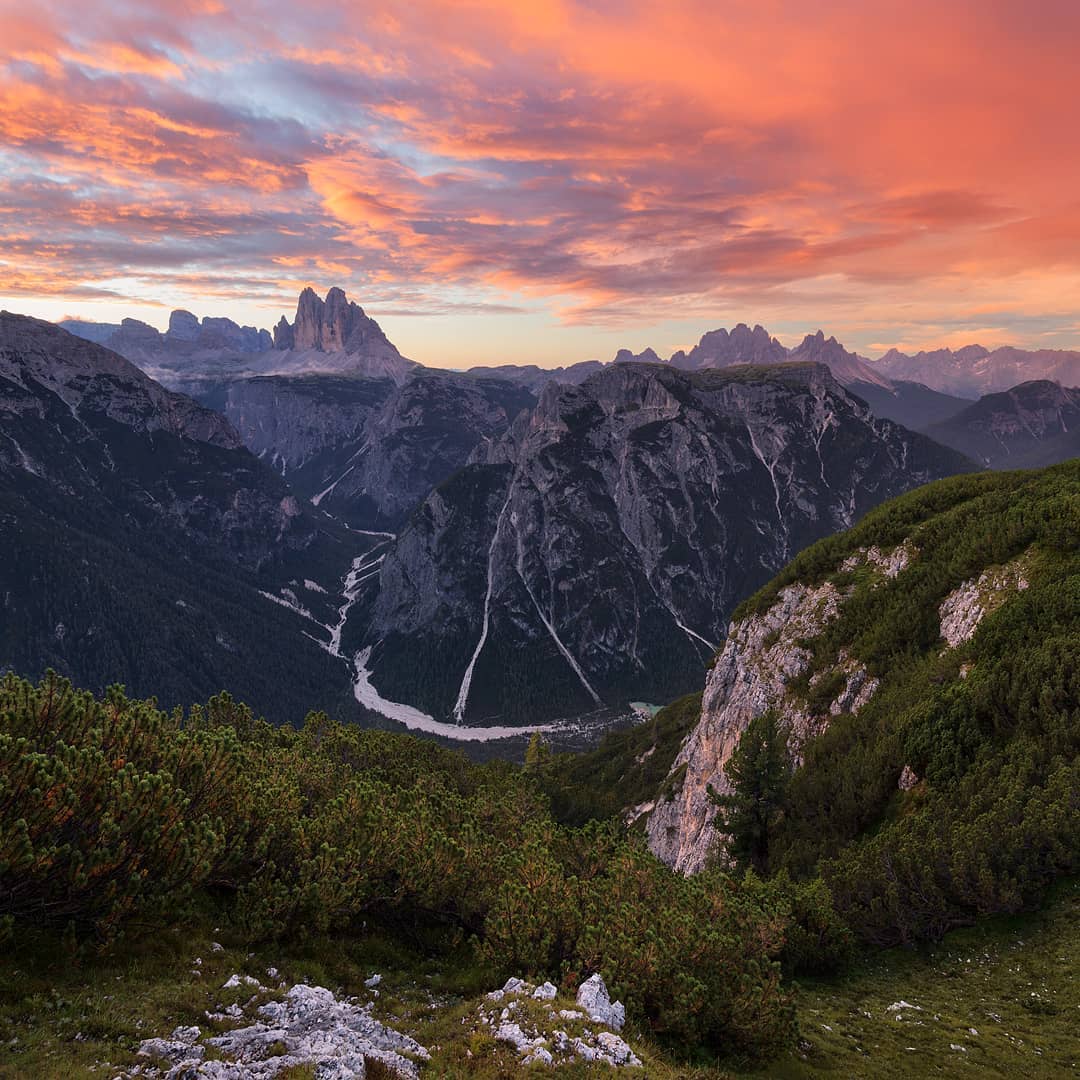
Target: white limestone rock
<point>311,1027</point>
<point>593,997</point>
<point>965,607</point>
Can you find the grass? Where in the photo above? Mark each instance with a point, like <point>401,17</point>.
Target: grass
<point>1013,980</point>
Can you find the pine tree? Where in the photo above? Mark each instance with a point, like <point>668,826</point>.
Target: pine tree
<point>758,771</point>
<point>537,755</point>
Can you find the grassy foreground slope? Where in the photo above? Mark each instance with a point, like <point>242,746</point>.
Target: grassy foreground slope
<point>1015,981</point>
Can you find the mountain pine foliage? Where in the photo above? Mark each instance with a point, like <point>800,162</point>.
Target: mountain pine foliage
<point>990,729</point>
<point>115,817</point>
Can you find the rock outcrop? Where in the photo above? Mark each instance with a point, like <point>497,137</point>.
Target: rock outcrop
<point>761,658</point>
<point>965,607</point>
<point>530,1020</point>
<point>309,1029</point>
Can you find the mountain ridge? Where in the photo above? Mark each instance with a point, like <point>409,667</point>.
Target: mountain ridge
<point>621,492</point>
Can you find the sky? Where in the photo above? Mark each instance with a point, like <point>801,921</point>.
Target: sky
<point>545,181</point>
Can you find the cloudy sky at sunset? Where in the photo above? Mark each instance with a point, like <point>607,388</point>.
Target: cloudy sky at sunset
<point>546,181</point>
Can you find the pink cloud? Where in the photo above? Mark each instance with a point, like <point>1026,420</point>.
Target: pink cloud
<point>620,161</point>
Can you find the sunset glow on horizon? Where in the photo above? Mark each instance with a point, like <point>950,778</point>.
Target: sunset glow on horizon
<point>543,182</point>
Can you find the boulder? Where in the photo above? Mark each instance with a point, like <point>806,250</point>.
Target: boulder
<point>593,997</point>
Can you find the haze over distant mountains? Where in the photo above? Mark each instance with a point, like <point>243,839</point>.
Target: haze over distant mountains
<point>331,335</point>
<point>335,335</point>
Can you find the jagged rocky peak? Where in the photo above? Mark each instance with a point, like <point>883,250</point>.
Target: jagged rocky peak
<point>335,324</point>
<point>338,327</point>
<point>283,334</point>
<point>848,367</point>
<point>646,356</point>
<point>740,345</point>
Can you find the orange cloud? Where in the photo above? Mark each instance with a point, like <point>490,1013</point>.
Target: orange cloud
<point>620,161</point>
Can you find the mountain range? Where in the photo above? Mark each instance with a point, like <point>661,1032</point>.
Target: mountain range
<point>334,335</point>
<point>1035,423</point>
<point>452,549</point>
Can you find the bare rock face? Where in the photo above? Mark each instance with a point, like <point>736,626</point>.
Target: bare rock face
<point>183,326</point>
<point>964,608</point>
<point>368,450</point>
<point>338,326</point>
<point>762,656</point>
<point>598,548</point>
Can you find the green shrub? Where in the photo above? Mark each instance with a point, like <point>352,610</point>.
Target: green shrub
<point>108,808</point>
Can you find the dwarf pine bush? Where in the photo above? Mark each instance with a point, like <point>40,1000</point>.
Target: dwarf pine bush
<point>113,811</point>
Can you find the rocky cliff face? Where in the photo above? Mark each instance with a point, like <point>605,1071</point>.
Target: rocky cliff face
<point>291,422</point>
<point>1035,423</point>
<point>337,327</point>
<point>593,554</point>
<point>364,449</point>
<point>423,432</point>
<point>761,659</point>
